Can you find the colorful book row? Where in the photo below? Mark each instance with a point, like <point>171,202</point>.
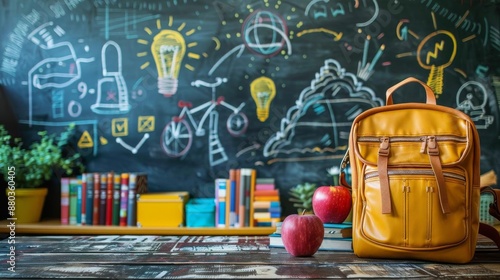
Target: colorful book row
<point>100,198</point>
<point>243,201</point>
<point>233,198</point>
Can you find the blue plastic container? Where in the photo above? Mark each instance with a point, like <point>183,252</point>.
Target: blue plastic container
<point>200,212</point>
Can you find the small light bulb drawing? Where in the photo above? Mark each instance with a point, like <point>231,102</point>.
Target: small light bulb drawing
<point>168,49</point>
<point>440,50</point>
<point>263,91</point>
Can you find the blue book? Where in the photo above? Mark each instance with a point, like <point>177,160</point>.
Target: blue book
<point>221,202</point>
<point>79,196</point>
<point>89,198</point>
<point>131,205</point>
<point>232,207</point>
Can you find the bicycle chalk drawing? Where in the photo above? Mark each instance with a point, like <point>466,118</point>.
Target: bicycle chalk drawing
<point>177,135</point>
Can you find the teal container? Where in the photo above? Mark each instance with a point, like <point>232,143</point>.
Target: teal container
<point>200,212</point>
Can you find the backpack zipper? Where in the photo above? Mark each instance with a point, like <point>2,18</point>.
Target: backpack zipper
<point>422,139</point>
<point>412,138</point>
<point>415,172</point>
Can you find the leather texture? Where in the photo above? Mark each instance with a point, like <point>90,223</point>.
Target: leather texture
<point>415,181</point>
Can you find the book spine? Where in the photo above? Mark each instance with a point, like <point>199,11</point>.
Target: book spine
<point>79,199</point>
<point>131,206</point>
<point>89,204</point>
<point>221,187</point>
<point>216,201</point>
<point>253,179</point>
<point>109,198</point>
<point>264,187</point>
<point>83,212</point>
<point>102,201</point>
<point>266,215</point>
<point>228,203</point>
<point>266,204</point>
<point>241,200</point>
<point>236,177</point>
<point>64,201</point>
<point>124,199</point>
<point>141,183</point>
<point>232,210</point>
<point>97,199</point>
<point>267,198</point>
<point>72,200</point>
<point>116,200</point>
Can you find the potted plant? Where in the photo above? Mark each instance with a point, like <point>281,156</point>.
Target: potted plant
<point>26,169</point>
<point>301,196</point>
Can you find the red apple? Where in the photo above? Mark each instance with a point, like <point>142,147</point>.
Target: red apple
<point>332,204</point>
<point>302,234</point>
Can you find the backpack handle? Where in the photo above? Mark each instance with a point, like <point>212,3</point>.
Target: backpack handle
<point>431,98</point>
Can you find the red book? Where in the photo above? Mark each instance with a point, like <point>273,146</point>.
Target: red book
<point>64,201</point>
<point>266,192</point>
<point>109,199</point>
<point>84,204</point>
<point>97,198</point>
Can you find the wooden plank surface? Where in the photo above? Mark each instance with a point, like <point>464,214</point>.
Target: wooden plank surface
<point>213,257</point>
<point>54,227</point>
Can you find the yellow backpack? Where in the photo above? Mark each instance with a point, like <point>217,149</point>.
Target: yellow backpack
<point>415,181</point>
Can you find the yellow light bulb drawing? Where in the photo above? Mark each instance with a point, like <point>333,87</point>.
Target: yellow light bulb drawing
<point>441,48</point>
<point>263,92</point>
<point>168,49</point>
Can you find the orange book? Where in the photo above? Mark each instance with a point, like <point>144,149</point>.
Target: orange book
<point>253,179</point>
<point>228,203</point>
<point>267,198</point>
<point>274,192</point>
<point>238,201</point>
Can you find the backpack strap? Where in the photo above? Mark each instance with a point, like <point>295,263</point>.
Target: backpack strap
<point>382,162</point>
<point>494,210</point>
<point>433,152</point>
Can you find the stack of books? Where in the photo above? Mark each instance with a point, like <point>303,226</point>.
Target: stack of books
<point>337,237</point>
<point>101,198</point>
<point>266,203</point>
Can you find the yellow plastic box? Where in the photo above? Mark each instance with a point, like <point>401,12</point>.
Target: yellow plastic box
<point>164,209</point>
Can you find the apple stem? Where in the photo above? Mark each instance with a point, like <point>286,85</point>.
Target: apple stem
<point>303,212</point>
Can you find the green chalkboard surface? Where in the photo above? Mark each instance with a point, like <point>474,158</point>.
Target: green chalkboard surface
<point>187,89</point>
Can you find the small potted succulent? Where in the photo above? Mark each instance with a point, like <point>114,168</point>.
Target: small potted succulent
<point>26,169</point>
<point>301,196</point>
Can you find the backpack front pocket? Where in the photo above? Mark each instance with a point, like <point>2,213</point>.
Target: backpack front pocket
<point>416,220</point>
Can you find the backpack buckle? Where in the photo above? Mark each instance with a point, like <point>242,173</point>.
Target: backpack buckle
<point>432,147</point>
<point>384,146</point>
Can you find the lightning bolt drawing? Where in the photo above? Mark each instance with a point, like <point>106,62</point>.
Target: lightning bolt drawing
<point>437,46</point>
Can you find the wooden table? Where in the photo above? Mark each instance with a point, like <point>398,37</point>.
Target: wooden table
<point>217,257</point>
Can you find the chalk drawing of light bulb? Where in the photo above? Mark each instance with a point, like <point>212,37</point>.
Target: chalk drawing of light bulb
<point>263,92</point>
<point>472,99</point>
<point>168,49</point>
<point>436,52</point>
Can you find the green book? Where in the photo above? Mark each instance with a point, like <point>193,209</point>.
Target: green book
<point>73,200</point>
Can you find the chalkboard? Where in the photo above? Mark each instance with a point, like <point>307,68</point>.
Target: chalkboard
<point>187,89</point>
